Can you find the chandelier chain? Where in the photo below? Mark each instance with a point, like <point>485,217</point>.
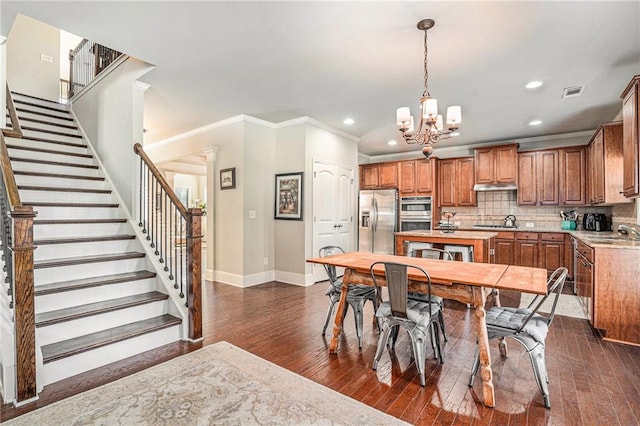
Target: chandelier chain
<point>426,69</point>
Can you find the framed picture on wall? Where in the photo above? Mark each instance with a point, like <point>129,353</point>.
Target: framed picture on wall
<point>183,192</point>
<point>228,178</point>
<point>288,196</point>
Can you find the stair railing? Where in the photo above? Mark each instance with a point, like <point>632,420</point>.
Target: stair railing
<point>15,130</point>
<point>176,235</point>
<point>86,61</point>
<point>17,252</point>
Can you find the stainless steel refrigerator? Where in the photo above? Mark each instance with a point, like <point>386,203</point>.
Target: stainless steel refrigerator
<point>378,220</point>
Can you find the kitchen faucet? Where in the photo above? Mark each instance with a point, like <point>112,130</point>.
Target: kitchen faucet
<point>629,232</point>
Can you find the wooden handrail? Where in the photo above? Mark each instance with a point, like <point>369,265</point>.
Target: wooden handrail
<point>16,130</point>
<point>193,221</point>
<point>137,148</point>
<point>7,175</point>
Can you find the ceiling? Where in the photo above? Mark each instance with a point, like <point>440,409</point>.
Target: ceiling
<point>331,60</point>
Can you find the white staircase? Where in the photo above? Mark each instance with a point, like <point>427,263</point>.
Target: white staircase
<point>97,296</point>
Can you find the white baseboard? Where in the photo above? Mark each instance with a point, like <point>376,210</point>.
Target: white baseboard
<point>244,280</point>
<point>303,280</point>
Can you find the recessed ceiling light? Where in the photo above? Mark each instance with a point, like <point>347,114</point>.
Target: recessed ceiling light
<point>348,121</point>
<point>533,84</point>
<point>392,142</point>
<point>535,123</point>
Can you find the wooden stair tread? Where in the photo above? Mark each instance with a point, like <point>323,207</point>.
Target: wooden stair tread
<point>50,132</point>
<point>53,163</point>
<point>44,114</point>
<point>48,123</point>
<point>63,189</point>
<point>79,260</point>
<point>63,286</point>
<point>66,348</point>
<point>55,204</point>
<point>53,141</point>
<point>44,319</point>
<point>56,175</point>
<point>34,104</point>
<point>76,221</point>
<point>49,151</point>
<point>94,239</point>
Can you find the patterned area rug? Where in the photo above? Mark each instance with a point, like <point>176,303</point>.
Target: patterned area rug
<point>220,384</point>
<point>568,305</point>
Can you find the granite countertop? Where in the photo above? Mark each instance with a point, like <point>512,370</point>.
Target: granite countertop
<point>605,239</point>
<point>474,235</point>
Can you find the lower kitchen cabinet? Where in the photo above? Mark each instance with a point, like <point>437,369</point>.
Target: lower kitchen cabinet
<point>505,248</point>
<point>583,276</point>
<point>552,251</point>
<point>535,249</point>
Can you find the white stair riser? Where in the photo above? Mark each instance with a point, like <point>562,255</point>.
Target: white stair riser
<point>19,97</point>
<point>37,155</point>
<point>50,136</point>
<point>30,196</point>
<point>47,145</point>
<point>66,299</point>
<point>22,108</point>
<point>60,182</point>
<point>87,270</point>
<point>53,168</point>
<point>85,361</point>
<point>81,326</point>
<point>57,251</point>
<point>77,213</point>
<point>83,229</point>
<point>50,127</point>
<point>51,120</point>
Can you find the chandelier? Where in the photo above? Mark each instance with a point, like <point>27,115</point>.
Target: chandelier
<point>431,129</point>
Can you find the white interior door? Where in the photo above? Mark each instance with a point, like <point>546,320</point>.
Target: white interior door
<point>332,210</point>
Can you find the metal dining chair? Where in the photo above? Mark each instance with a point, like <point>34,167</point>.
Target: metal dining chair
<point>357,296</point>
<point>417,318</point>
<point>529,327</point>
<point>432,253</point>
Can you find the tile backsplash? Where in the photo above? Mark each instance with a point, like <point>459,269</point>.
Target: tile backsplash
<point>493,206</point>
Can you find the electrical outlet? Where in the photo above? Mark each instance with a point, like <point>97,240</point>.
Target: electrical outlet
<point>252,214</point>
<point>266,261</point>
<point>46,58</point>
<point>529,225</point>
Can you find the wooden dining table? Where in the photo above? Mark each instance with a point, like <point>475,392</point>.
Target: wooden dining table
<point>466,282</point>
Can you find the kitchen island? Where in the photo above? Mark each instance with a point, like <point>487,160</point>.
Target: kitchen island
<point>481,241</point>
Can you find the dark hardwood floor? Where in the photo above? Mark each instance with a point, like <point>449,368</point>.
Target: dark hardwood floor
<point>591,381</point>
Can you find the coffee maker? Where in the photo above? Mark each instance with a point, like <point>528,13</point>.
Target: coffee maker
<point>595,222</point>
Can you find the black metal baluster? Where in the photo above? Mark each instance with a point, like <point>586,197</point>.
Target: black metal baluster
<point>149,201</point>
<point>182,242</point>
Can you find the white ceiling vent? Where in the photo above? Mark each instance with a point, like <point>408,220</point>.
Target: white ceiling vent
<point>570,92</point>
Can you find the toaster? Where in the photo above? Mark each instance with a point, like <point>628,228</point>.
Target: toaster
<point>595,222</point>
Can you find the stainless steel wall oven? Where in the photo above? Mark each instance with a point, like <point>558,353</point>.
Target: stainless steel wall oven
<point>415,214</point>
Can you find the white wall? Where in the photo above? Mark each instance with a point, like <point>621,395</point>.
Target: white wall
<point>26,72</point>
<point>110,112</point>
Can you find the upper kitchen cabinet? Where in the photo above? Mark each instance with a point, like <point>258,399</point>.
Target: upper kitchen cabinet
<point>573,176</point>
<point>379,175</point>
<point>606,165</point>
<point>631,137</point>
<point>455,182</point>
<point>496,165</point>
<point>538,182</point>
<point>417,177</point>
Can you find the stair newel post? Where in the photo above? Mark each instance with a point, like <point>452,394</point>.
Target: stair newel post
<point>194,273</point>
<point>71,82</point>
<point>24,310</point>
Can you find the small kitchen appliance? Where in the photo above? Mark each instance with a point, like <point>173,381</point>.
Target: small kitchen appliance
<point>509,221</point>
<point>595,222</point>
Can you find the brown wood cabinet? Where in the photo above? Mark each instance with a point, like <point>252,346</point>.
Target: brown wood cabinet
<point>573,176</point>
<point>631,138</point>
<point>416,177</point>
<point>538,178</point>
<point>535,249</point>
<point>584,277</point>
<point>606,165</point>
<point>496,164</point>
<point>379,175</point>
<point>505,248</point>
<point>455,182</point>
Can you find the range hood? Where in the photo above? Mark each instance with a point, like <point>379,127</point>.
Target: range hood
<point>495,187</point>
